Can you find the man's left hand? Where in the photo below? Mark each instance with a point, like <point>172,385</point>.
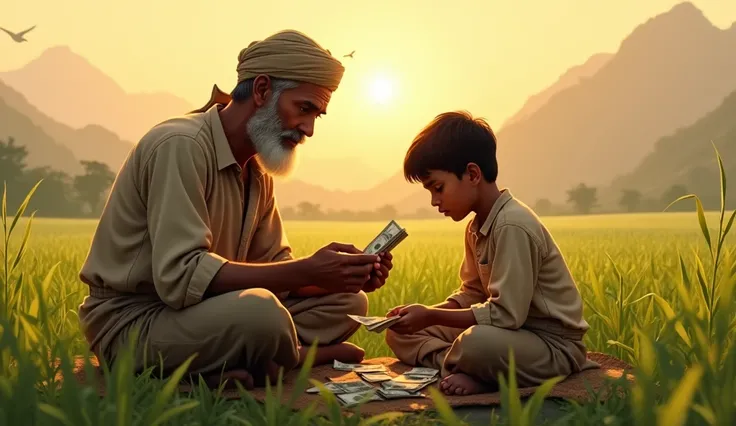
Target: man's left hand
<point>380,273</point>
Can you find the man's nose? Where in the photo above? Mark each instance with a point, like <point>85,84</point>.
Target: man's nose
<point>435,201</point>
<point>307,128</point>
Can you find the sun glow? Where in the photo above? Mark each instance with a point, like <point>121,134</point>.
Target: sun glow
<point>381,90</point>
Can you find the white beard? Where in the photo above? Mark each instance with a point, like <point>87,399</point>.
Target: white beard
<point>267,133</point>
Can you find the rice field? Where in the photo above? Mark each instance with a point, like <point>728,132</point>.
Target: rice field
<point>652,298</point>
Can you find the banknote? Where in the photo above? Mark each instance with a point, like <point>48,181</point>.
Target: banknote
<point>414,379</point>
<point>398,394</point>
<point>375,377</point>
<point>407,384</point>
<point>375,324</point>
<point>422,372</point>
<point>355,398</point>
<point>391,235</point>
<point>358,368</point>
<point>339,388</point>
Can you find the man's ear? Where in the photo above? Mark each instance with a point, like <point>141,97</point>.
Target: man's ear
<point>261,90</point>
<point>474,173</point>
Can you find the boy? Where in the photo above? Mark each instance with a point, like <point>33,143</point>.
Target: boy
<point>517,291</point>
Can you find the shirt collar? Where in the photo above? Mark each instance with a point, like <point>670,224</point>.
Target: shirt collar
<point>493,214</point>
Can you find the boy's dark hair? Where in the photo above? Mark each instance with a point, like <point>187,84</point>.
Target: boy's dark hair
<point>449,143</point>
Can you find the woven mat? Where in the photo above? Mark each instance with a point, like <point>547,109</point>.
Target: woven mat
<point>574,387</point>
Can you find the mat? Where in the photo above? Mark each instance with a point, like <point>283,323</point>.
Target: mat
<point>574,387</point>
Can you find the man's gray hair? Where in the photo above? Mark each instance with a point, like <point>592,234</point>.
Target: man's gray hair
<point>244,89</point>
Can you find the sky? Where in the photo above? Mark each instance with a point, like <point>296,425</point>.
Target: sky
<point>413,60</point>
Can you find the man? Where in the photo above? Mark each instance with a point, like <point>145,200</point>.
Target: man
<point>190,250</point>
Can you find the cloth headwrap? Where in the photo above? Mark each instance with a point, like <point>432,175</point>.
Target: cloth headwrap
<point>288,54</point>
<point>291,55</point>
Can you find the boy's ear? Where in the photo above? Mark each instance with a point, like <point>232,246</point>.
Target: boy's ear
<point>474,173</point>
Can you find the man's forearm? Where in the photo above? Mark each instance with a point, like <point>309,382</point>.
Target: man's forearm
<point>456,318</point>
<point>288,275</point>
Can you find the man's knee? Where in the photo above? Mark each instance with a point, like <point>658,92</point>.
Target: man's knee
<point>256,312</point>
<point>356,303</point>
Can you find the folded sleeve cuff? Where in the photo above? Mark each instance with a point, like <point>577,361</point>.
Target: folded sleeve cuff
<point>482,313</point>
<point>462,299</point>
<point>208,266</point>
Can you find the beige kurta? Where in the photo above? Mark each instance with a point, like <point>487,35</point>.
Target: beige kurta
<point>523,296</point>
<point>177,212</point>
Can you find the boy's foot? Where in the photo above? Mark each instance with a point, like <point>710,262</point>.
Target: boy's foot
<point>343,352</point>
<point>462,384</point>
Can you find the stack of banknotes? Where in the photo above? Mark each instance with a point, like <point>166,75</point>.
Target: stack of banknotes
<point>351,393</point>
<point>387,239</point>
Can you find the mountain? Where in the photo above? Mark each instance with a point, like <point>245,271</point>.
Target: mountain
<point>687,158</point>
<point>570,78</point>
<point>64,85</point>
<point>669,72</point>
<point>91,142</point>
<point>391,191</point>
<point>336,173</point>
<point>42,149</point>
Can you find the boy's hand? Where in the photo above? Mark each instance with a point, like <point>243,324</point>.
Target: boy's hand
<point>380,273</point>
<point>413,318</point>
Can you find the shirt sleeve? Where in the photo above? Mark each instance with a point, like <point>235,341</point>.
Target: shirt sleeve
<point>471,289</point>
<point>174,186</point>
<point>513,274</point>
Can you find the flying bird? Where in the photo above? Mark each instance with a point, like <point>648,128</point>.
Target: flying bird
<point>349,55</point>
<point>18,37</point>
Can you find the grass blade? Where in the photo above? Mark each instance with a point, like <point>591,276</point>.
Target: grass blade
<point>674,412</point>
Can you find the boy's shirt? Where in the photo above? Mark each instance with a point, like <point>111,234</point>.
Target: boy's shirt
<point>513,274</point>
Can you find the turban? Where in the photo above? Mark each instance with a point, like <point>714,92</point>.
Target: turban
<point>288,54</point>
<point>292,55</point>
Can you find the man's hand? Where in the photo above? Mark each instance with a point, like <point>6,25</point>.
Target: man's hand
<point>414,318</point>
<point>380,275</point>
<point>341,268</point>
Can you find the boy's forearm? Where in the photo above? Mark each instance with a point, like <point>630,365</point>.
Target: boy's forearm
<point>448,304</point>
<point>456,318</point>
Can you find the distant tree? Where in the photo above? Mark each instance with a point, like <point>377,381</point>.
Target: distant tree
<point>543,207</point>
<point>307,210</point>
<point>54,196</point>
<point>671,194</point>
<point>631,200</point>
<point>386,212</point>
<point>424,213</point>
<point>12,161</point>
<point>583,198</point>
<point>92,186</point>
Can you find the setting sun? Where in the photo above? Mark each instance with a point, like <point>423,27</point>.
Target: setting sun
<point>381,90</point>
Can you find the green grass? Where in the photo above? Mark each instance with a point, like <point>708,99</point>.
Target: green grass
<point>652,296</point>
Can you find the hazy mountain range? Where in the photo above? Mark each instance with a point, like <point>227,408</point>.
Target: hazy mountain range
<point>611,121</point>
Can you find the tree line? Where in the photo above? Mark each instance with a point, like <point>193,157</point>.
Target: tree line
<point>84,195</point>
<point>58,194</point>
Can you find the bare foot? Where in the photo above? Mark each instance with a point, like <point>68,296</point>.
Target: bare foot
<point>232,376</point>
<point>343,352</point>
<point>462,384</point>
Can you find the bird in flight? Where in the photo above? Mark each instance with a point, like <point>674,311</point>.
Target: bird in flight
<point>349,55</point>
<point>18,37</point>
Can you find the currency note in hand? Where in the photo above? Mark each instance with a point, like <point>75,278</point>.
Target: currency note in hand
<point>387,239</point>
<point>375,324</point>
<point>367,321</point>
